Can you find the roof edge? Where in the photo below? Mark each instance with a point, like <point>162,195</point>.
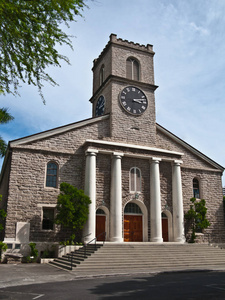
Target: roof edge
<point>57,130</point>
<point>189,147</point>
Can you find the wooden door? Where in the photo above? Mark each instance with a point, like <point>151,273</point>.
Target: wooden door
<point>100,227</point>
<point>165,234</point>
<point>133,228</point>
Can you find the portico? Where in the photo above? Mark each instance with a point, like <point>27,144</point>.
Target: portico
<point>115,216</point>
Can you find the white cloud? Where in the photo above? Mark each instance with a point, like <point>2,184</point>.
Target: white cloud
<point>199,29</point>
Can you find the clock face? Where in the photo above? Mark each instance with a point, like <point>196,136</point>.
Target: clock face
<point>133,100</point>
<point>100,106</point>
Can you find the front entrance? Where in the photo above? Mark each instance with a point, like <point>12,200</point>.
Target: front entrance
<point>133,223</point>
<point>165,234</point>
<point>133,228</point>
<point>100,224</point>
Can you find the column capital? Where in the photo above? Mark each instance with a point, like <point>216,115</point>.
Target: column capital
<point>117,154</point>
<point>92,152</point>
<point>177,162</point>
<point>155,159</point>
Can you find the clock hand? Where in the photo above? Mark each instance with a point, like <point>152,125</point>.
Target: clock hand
<point>139,100</point>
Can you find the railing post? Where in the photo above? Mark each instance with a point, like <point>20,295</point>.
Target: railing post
<point>85,245</point>
<point>71,261</point>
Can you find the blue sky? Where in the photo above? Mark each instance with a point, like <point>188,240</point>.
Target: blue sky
<point>188,38</point>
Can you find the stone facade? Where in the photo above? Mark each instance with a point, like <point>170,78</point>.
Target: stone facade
<point>98,154</point>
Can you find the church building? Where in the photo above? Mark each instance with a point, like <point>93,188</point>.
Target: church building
<point>139,176</point>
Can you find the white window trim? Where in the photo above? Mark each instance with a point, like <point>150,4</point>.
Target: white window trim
<point>135,181</point>
<point>57,175</point>
<point>47,206</point>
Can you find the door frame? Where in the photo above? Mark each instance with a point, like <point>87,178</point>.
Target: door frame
<point>134,215</point>
<point>170,224</point>
<point>106,211</point>
<point>144,218</point>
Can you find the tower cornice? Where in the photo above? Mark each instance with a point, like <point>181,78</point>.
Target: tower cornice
<point>124,81</point>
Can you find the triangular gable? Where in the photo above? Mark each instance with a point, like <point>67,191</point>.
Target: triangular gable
<point>57,130</point>
<point>189,147</point>
<point>47,134</point>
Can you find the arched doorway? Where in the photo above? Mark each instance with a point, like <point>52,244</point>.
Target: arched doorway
<point>133,228</point>
<point>100,224</point>
<point>165,229</point>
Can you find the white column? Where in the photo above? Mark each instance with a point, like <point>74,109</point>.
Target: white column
<point>155,202</point>
<point>90,190</point>
<point>116,199</point>
<point>178,214</point>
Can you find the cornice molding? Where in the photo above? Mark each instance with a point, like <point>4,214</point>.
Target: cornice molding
<point>189,147</point>
<point>57,130</point>
<point>125,82</point>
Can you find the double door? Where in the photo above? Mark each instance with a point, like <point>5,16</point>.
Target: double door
<point>133,228</point>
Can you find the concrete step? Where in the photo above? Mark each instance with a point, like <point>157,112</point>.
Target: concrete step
<point>146,267</point>
<point>149,261</point>
<point>143,256</point>
<point>77,257</point>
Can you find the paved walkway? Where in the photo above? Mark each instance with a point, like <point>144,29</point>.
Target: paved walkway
<point>24,274</point>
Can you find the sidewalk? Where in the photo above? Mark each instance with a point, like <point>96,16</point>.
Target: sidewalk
<point>24,274</point>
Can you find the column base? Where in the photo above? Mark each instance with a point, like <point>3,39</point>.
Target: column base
<point>180,240</point>
<point>157,240</point>
<point>116,240</point>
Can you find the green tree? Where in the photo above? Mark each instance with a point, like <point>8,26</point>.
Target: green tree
<point>72,208</point>
<point>5,117</point>
<point>3,246</point>
<point>29,34</point>
<point>196,217</point>
<point>3,215</point>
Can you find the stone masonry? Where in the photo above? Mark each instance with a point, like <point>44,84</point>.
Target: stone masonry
<point>136,141</point>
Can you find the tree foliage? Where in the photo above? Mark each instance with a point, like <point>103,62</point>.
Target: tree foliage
<point>5,117</point>
<point>29,33</point>
<point>72,207</point>
<point>3,215</point>
<point>196,216</point>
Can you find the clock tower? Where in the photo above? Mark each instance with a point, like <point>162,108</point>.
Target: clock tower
<point>123,86</point>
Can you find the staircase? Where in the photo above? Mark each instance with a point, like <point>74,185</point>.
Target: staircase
<point>73,259</point>
<point>126,258</point>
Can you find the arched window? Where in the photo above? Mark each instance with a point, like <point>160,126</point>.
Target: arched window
<point>132,208</point>
<point>102,74</point>
<point>52,174</point>
<point>100,211</point>
<point>196,191</point>
<point>135,180</point>
<point>132,66</point>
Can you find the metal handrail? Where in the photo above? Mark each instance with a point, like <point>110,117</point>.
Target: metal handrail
<point>75,252</point>
<point>94,239</point>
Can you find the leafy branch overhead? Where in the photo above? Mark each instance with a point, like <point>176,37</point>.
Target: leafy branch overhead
<point>29,34</point>
<point>5,117</point>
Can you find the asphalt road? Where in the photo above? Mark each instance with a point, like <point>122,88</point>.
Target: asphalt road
<point>191,285</point>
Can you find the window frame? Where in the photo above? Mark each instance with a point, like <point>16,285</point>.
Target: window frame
<point>194,189</point>
<point>135,190</point>
<point>51,175</point>
<point>129,210</point>
<point>46,206</point>
<point>130,63</point>
<point>102,75</point>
